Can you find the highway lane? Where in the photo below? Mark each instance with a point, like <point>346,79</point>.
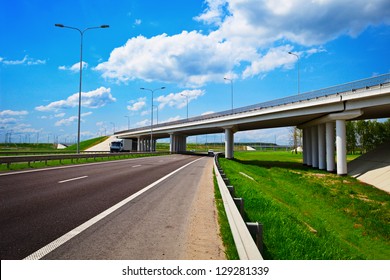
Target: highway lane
<point>154,225</point>
<point>38,207</point>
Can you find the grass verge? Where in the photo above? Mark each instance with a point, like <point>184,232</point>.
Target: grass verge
<point>310,214</point>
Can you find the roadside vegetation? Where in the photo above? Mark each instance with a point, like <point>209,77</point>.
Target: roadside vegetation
<point>309,214</point>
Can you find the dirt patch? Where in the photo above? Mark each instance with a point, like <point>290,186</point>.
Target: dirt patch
<point>203,236</point>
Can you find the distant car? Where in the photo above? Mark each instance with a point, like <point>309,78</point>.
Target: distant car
<point>210,153</point>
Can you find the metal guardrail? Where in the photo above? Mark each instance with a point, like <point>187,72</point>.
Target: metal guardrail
<point>351,87</point>
<point>246,246</point>
<point>40,158</point>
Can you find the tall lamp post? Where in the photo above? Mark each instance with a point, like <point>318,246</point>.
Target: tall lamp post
<point>231,89</point>
<point>81,71</point>
<point>128,122</point>
<point>298,58</point>
<point>186,95</point>
<point>151,123</point>
<point>299,91</point>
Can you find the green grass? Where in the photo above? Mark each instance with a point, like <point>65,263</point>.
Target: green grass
<point>307,213</point>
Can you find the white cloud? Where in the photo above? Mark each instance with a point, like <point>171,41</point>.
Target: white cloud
<point>247,37</point>
<point>136,105</point>
<point>137,22</point>
<point>189,59</point>
<point>143,123</point>
<point>207,113</point>
<point>74,68</point>
<point>172,119</point>
<point>179,100</point>
<point>300,21</point>
<point>71,119</point>
<point>214,12</point>
<point>93,99</point>
<point>13,113</point>
<point>25,61</point>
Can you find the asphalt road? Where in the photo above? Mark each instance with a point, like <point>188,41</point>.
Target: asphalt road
<point>38,207</point>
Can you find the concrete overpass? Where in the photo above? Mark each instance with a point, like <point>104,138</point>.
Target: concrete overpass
<point>321,114</point>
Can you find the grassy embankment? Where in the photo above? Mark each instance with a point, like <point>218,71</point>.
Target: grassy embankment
<point>49,149</point>
<point>310,214</point>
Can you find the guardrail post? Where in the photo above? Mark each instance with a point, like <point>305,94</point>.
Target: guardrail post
<point>231,191</point>
<point>240,205</point>
<point>256,230</point>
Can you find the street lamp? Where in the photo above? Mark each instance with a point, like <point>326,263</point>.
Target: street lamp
<point>298,58</point>
<point>186,95</point>
<point>128,122</point>
<point>151,122</point>
<point>231,89</point>
<point>113,124</point>
<point>81,71</point>
<point>295,128</point>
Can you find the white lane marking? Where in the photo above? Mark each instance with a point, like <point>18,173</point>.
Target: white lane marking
<point>72,179</point>
<point>67,236</point>
<point>138,165</point>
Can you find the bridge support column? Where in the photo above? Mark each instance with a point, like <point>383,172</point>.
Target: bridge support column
<point>330,148</point>
<point>171,143</point>
<point>314,146</point>
<point>308,148</point>
<point>341,147</point>
<point>321,147</point>
<point>304,144</point>
<point>154,143</point>
<point>139,144</point>
<point>229,143</point>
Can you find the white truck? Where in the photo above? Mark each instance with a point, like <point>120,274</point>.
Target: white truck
<point>121,145</point>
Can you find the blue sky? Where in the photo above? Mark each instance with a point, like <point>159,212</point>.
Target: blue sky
<point>187,47</point>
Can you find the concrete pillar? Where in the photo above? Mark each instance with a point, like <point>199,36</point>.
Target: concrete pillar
<point>304,146</point>
<point>308,149</point>
<point>321,147</point>
<point>341,147</point>
<point>330,148</point>
<point>314,146</point>
<point>171,137</point>
<point>229,143</point>
<point>184,143</point>
<point>139,144</point>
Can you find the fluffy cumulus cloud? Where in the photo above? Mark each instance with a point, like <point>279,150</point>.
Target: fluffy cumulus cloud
<point>75,67</point>
<point>71,120</point>
<point>247,38</point>
<point>179,100</point>
<point>13,113</point>
<point>188,58</point>
<point>92,99</point>
<point>136,105</point>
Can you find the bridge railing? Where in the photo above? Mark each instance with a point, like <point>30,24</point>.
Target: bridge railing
<point>347,87</point>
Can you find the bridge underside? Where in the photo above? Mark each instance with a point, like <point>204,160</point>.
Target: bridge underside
<point>323,121</point>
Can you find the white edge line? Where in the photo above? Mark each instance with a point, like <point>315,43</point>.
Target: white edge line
<point>138,165</point>
<point>73,179</point>
<point>67,236</point>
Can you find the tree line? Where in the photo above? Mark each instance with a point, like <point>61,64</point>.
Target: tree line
<point>362,136</point>
<point>365,135</point>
